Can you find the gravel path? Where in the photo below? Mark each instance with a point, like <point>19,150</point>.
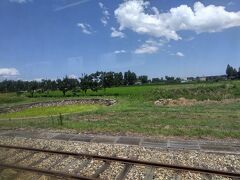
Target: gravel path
<point>218,161</point>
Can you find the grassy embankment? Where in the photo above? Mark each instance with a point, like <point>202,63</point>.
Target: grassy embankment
<point>136,113</point>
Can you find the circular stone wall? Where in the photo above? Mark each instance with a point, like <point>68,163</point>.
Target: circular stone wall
<point>106,102</point>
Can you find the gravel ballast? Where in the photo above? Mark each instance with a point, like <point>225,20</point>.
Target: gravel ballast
<point>217,161</point>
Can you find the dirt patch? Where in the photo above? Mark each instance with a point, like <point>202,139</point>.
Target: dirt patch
<point>106,102</point>
<point>176,102</point>
<point>189,102</point>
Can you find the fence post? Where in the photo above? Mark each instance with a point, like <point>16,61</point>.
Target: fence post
<point>52,121</point>
<point>60,119</point>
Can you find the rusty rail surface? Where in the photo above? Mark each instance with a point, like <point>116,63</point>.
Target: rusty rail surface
<point>114,159</point>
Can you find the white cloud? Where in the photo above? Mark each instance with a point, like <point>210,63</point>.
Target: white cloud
<point>104,21</point>
<point>6,72</point>
<point>72,76</point>
<point>101,5</point>
<point>146,49</point>
<point>71,5</point>
<point>179,54</point>
<point>119,51</point>
<point>86,28</point>
<point>116,33</point>
<point>149,47</point>
<point>155,43</point>
<point>106,14</point>
<point>136,15</point>
<point>20,1</point>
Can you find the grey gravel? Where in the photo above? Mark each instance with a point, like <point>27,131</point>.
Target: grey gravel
<point>226,162</point>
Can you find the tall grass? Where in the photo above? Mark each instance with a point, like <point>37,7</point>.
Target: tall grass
<point>217,92</point>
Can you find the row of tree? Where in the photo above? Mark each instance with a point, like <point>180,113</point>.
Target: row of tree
<point>232,73</point>
<point>94,81</point>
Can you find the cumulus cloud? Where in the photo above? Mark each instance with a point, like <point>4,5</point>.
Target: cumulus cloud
<point>20,1</point>
<point>150,46</point>
<point>146,49</point>
<point>180,54</point>
<point>104,21</point>
<point>119,51</point>
<point>105,13</point>
<point>138,16</point>
<point>86,28</point>
<point>116,33</point>
<point>7,72</point>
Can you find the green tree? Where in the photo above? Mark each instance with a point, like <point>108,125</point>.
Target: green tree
<point>93,80</point>
<point>67,84</point>
<point>178,79</point>
<point>107,79</point>
<point>130,78</point>
<point>143,79</point>
<point>32,87</point>
<point>62,86</point>
<point>229,71</point>
<point>157,80</point>
<point>45,85</point>
<point>169,79</point>
<point>54,85</point>
<point>84,83</point>
<point>235,73</point>
<point>239,72</point>
<point>118,79</point>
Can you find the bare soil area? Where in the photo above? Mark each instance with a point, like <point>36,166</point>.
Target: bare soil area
<point>189,102</point>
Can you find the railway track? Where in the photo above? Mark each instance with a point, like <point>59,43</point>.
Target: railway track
<point>72,165</point>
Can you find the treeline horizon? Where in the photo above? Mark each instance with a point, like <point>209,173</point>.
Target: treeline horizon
<point>96,81</point>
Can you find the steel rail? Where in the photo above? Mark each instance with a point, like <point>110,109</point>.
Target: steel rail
<point>132,161</point>
<point>43,171</point>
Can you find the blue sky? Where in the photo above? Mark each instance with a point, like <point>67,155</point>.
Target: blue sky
<point>54,38</point>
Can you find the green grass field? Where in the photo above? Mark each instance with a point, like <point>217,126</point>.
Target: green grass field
<point>50,111</point>
<point>135,112</point>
